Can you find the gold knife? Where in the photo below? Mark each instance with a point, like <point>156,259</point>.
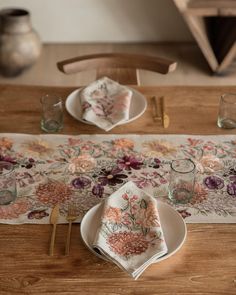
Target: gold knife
<point>53,220</point>
<point>165,117</point>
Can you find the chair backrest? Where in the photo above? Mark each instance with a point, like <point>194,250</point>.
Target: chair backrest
<point>120,67</point>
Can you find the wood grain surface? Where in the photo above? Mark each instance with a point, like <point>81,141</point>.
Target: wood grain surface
<point>206,264</point>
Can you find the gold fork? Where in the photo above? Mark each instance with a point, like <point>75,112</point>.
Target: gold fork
<point>71,216</point>
<point>53,220</point>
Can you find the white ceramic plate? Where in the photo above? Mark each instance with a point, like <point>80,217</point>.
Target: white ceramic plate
<point>137,107</point>
<point>173,225</point>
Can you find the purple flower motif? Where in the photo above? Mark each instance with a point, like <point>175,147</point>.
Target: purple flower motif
<point>81,182</point>
<point>232,178</point>
<point>7,159</point>
<point>231,189</point>
<point>128,162</point>
<point>37,214</point>
<point>184,213</point>
<point>111,177</point>
<point>98,190</point>
<point>157,163</point>
<point>214,182</point>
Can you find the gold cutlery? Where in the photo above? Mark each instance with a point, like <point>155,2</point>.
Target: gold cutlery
<point>165,117</point>
<point>71,216</point>
<point>156,109</point>
<point>159,111</point>
<point>53,220</point>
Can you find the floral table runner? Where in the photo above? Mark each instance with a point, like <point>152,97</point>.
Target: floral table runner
<point>85,169</point>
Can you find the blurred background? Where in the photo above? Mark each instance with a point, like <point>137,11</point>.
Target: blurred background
<point>155,27</point>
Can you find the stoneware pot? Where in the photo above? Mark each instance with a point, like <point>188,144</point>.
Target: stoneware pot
<point>20,45</point>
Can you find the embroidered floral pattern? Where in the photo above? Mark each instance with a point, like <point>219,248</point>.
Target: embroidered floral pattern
<point>38,148</point>
<point>51,169</point>
<point>128,243</point>
<point>130,222</point>
<point>14,210</point>
<point>158,148</point>
<point>82,164</point>
<point>209,164</point>
<point>53,192</point>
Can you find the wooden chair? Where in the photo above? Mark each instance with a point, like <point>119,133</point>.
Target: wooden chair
<point>120,67</point>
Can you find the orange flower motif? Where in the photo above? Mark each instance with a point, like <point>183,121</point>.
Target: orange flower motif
<point>147,217</point>
<point>158,148</point>
<point>53,192</point>
<point>38,148</point>
<point>200,194</point>
<point>82,164</point>
<point>112,214</point>
<point>6,143</point>
<point>128,243</point>
<point>123,143</point>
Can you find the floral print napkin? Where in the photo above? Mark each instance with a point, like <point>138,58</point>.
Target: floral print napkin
<point>130,233</point>
<point>105,103</point>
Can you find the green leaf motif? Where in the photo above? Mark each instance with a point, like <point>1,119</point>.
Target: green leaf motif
<point>143,204</point>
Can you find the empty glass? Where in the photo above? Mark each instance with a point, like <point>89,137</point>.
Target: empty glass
<point>227,111</point>
<point>182,179</point>
<point>7,183</point>
<point>52,113</point>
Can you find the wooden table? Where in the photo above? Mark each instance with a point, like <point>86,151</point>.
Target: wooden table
<point>206,264</point>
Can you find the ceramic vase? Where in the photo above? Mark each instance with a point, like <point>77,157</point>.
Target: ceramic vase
<point>20,45</point>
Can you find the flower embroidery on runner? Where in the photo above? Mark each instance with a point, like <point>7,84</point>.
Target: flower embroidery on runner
<point>86,169</point>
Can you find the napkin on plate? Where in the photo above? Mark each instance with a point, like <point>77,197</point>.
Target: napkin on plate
<point>130,233</point>
<point>105,103</point>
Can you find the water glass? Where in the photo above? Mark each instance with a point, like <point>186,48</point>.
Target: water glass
<point>52,113</point>
<point>182,179</point>
<point>227,111</point>
<point>7,183</point>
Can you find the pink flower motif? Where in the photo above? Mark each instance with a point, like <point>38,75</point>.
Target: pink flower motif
<point>14,210</point>
<point>127,243</point>
<point>208,147</point>
<point>74,142</point>
<point>134,198</point>
<point>112,214</point>
<point>125,197</point>
<point>194,142</point>
<point>134,207</point>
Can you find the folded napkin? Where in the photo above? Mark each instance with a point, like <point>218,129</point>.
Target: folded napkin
<point>130,233</point>
<point>105,103</point>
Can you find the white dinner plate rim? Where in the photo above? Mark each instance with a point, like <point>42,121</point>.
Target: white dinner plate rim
<point>169,254</point>
<point>74,93</point>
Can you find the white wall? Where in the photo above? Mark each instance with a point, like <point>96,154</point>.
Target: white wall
<point>104,20</point>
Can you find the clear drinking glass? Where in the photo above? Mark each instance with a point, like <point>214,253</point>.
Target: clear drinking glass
<point>52,113</point>
<point>7,183</point>
<point>227,111</point>
<point>182,179</point>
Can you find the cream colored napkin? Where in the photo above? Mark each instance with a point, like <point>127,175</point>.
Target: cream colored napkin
<point>105,103</point>
<point>130,233</point>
